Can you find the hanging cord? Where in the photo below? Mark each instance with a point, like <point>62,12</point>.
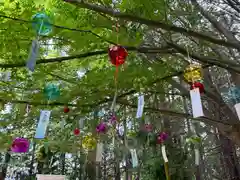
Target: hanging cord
<point>116,72</point>
<point>40,29</point>
<point>112,109</point>
<point>116,29</point>
<point>191,62</point>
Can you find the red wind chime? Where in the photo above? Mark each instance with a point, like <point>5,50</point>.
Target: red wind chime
<point>117,54</point>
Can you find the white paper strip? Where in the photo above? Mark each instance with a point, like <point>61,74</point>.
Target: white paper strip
<point>197,109</point>
<point>197,157</point>
<point>99,152</point>
<point>7,76</point>
<point>237,108</point>
<point>134,157</point>
<point>164,154</point>
<point>50,177</point>
<point>140,106</point>
<point>42,124</point>
<point>81,123</point>
<point>62,123</point>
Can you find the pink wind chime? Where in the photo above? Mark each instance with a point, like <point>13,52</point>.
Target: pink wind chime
<point>20,145</point>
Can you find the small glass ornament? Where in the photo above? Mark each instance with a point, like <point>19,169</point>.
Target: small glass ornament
<point>234,94</point>
<point>148,128</point>
<point>76,132</point>
<point>193,140</point>
<point>101,128</point>
<point>20,145</point>
<point>51,91</point>
<point>132,133</point>
<point>41,154</point>
<point>198,85</point>
<point>117,55</point>
<point>113,119</point>
<point>100,114</point>
<point>41,23</point>
<point>193,73</point>
<point>66,109</point>
<point>89,142</point>
<point>162,137</point>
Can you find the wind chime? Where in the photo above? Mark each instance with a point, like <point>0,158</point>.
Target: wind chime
<point>139,114</point>
<point>101,129</point>
<point>89,142</point>
<point>193,75</point>
<point>117,55</point>
<point>195,141</point>
<point>41,24</point>
<point>161,138</point>
<point>234,97</point>
<point>20,145</point>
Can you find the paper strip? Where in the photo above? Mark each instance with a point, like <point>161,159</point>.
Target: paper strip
<point>27,109</point>
<point>197,157</point>
<point>197,109</point>
<point>134,158</point>
<point>237,108</point>
<point>81,123</point>
<point>140,106</point>
<point>7,76</point>
<point>50,177</point>
<point>62,123</point>
<point>99,152</point>
<point>164,154</point>
<point>33,55</point>
<point>42,124</point>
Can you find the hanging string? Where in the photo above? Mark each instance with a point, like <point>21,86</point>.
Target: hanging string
<point>112,109</point>
<point>191,62</point>
<point>116,71</point>
<point>40,29</point>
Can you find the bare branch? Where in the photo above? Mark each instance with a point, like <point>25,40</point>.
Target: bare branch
<point>157,24</point>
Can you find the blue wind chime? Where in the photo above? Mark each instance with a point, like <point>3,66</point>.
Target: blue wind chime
<point>234,97</point>
<point>41,24</point>
<point>51,92</point>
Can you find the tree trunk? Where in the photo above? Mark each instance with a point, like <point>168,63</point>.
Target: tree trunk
<point>5,166</point>
<point>91,166</point>
<point>229,155</point>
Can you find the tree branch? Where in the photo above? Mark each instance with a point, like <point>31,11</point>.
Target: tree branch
<point>230,65</point>
<point>176,114</point>
<point>35,103</point>
<point>162,111</point>
<point>157,24</point>
<point>228,34</point>
<point>89,54</point>
<point>60,27</point>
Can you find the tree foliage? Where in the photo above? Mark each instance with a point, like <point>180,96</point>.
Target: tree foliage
<point>162,37</point>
